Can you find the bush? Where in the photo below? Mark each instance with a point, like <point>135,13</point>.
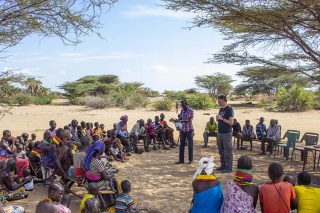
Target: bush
<point>22,99</point>
<point>135,101</point>
<point>97,102</point>
<point>77,101</point>
<point>200,101</point>
<point>180,95</point>
<point>164,104</point>
<point>296,98</point>
<point>43,100</point>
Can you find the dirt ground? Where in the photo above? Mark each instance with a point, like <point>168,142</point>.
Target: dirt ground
<point>156,181</point>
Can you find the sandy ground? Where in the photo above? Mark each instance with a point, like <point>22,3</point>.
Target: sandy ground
<point>157,182</point>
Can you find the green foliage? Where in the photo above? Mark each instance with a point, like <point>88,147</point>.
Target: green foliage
<point>285,33</point>
<point>78,101</point>
<point>200,101</point>
<point>98,102</point>
<point>267,80</point>
<point>216,84</point>
<point>90,85</point>
<point>43,100</point>
<point>295,98</point>
<point>22,99</point>
<point>135,101</point>
<point>163,105</point>
<point>172,95</point>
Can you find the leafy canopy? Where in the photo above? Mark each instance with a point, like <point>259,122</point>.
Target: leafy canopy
<point>282,34</point>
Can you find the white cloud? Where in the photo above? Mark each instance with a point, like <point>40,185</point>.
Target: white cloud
<point>159,68</point>
<point>62,72</point>
<point>144,11</point>
<point>128,71</point>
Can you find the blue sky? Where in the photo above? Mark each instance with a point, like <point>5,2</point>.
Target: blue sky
<point>142,42</point>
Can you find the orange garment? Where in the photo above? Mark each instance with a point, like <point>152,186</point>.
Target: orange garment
<point>272,202</point>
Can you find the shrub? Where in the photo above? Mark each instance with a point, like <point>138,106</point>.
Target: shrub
<point>164,104</point>
<point>135,101</point>
<point>77,101</point>
<point>200,101</point>
<point>44,99</point>
<point>180,95</point>
<point>97,102</point>
<point>296,98</point>
<point>22,99</point>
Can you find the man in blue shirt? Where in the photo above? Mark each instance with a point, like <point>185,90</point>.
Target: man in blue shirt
<point>261,129</point>
<point>246,135</point>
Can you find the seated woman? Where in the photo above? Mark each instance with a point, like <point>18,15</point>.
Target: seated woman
<point>22,161</point>
<point>5,146</point>
<point>9,189</point>
<point>277,196</point>
<point>308,196</point>
<point>94,168</point>
<point>208,195</point>
<point>241,194</point>
<point>159,130</point>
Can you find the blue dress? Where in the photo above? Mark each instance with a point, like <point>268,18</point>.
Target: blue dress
<point>208,201</point>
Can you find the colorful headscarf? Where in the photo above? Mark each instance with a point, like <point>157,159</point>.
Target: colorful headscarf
<point>124,117</point>
<point>92,149</point>
<point>205,165</point>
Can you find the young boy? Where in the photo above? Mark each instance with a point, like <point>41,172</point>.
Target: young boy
<point>92,206</point>
<point>97,130</point>
<point>28,186</point>
<point>93,191</point>
<point>124,202</point>
<point>116,153</point>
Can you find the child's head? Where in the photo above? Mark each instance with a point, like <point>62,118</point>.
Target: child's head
<point>126,186</point>
<point>95,138</point>
<point>96,124</point>
<point>25,136</point>
<point>113,134</point>
<point>19,147</point>
<point>149,121</point>
<point>26,173</point>
<point>93,188</point>
<point>275,171</point>
<point>30,146</point>
<point>92,205</point>
<point>79,128</point>
<point>66,199</point>
<point>304,178</point>
<point>102,127</point>
<point>33,136</point>
<point>290,179</point>
<point>115,145</point>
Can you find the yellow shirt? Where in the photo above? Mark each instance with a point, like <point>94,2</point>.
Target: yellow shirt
<point>211,127</point>
<point>308,199</point>
<point>98,132</point>
<point>83,201</point>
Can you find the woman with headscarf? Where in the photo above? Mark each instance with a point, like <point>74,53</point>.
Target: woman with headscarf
<point>94,168</point>
<point>208,195</point>
<point>241,193</point>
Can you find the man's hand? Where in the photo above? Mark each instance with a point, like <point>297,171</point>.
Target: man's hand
<point>27,179</point>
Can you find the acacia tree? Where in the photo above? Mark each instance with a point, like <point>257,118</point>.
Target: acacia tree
<point>67,19</point>
<point>285,32</point>
<point>268,80</point>
<point>215,84</point>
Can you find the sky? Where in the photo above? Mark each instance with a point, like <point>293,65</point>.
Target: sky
<point>142,42</point>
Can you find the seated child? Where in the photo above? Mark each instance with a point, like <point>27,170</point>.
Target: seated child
<point>19,152</point>
<point>65,203</point>
<point>124,203</point>
<point>92,206</point>
<point>93,191</point>
<point>28,186</point>
<point>290,179</point>
<point>116,153</point>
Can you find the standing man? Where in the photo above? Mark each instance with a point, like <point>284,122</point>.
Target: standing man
<point>186,132</point>
<point>225,120</point>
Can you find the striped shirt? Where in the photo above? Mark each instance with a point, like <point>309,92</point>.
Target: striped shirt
<point>96,166</point>
<point>78,159</point>
<point>187,114</point>
<point>123,202</point>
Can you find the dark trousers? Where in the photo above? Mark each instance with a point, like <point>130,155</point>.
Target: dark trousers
<point>183,137</point>
<point>271,143</point>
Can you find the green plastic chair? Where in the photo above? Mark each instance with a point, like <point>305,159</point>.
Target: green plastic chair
<point>292,137</point>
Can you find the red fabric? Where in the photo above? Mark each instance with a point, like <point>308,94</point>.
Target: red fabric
<point>78,172</point>
<point>21,164</point>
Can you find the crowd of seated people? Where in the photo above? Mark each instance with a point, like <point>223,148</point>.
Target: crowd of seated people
<point>242,195</point>
<point>81,154</point>
<point>248,133</point>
